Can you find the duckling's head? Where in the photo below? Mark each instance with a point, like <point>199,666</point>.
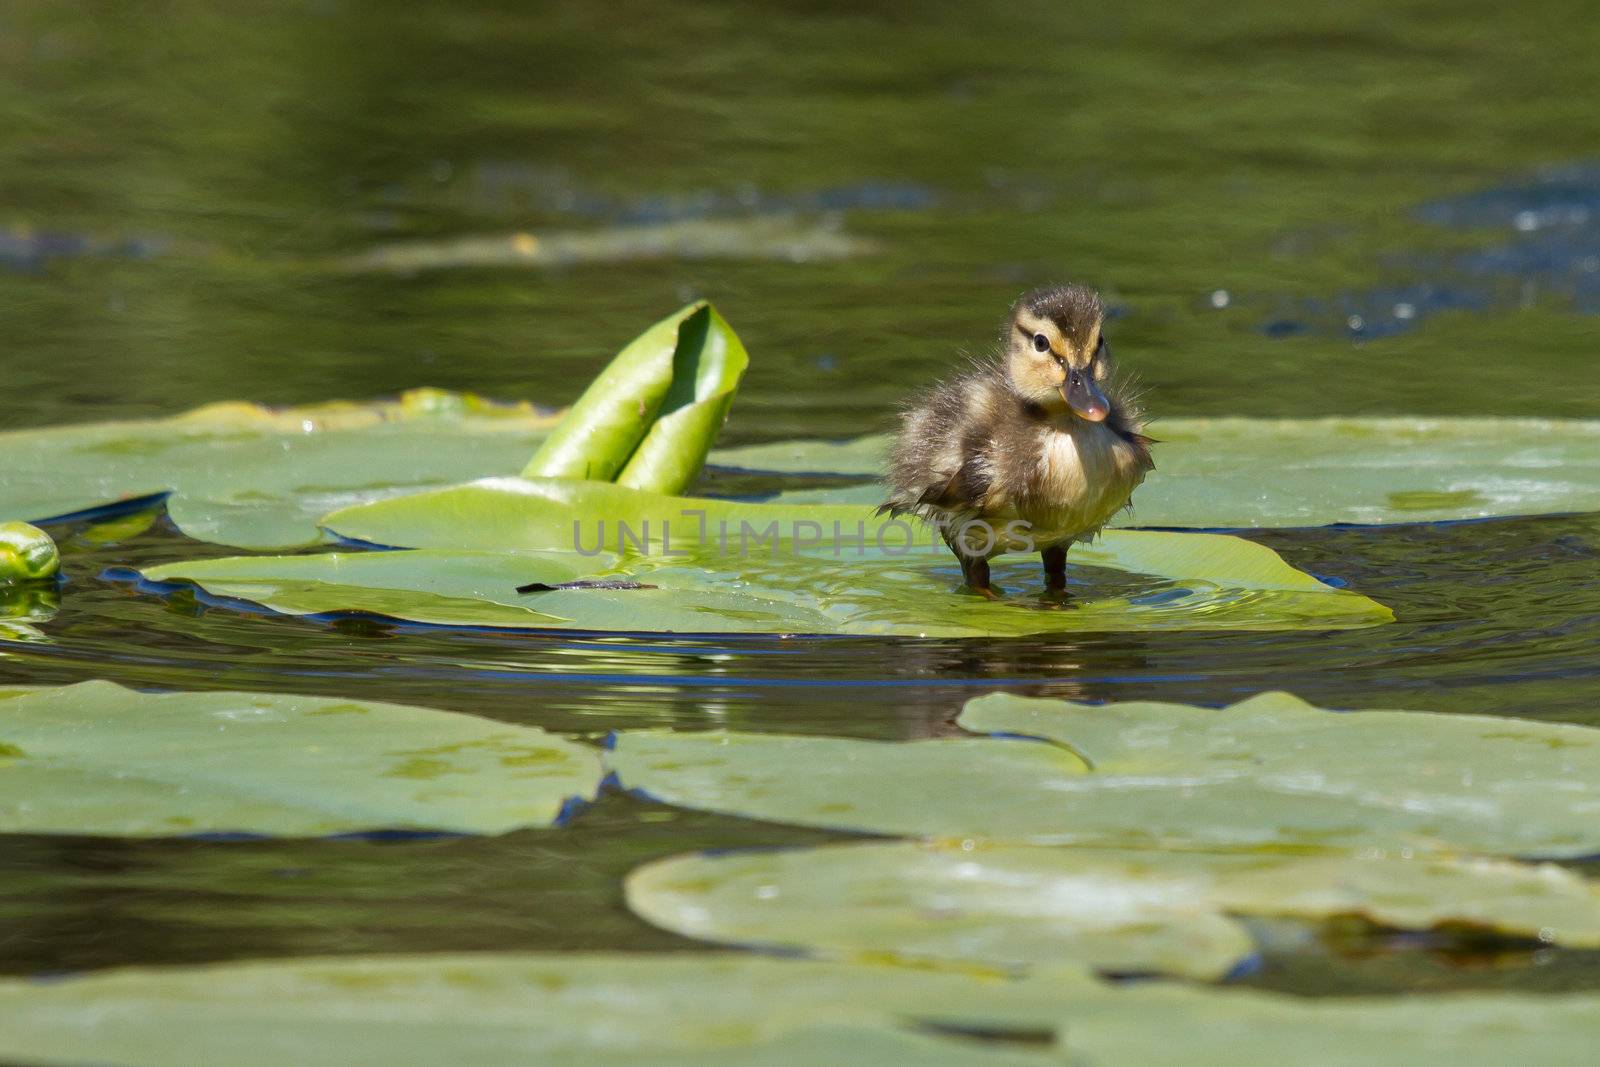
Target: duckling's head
<point>1055,352</point>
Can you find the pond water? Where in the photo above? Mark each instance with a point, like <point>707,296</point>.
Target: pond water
<point>1385,211</point>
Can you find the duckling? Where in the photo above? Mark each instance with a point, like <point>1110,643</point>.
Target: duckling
<point>1031,451</point>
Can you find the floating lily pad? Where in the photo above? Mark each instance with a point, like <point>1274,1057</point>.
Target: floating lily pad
<point>1274,763</point>
<point>1122,911</point>
<point>255,477</point>
<point>480,589</point>
<point>721,566</point>
<point>493,1010</point>
<point>1152,1025</point>
<point>96,758</point>
<point>685,1010</point>
<point>1300,472</point>
<point>1269,771</point>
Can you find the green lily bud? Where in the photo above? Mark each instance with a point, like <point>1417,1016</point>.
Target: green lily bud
<point>27,554</point>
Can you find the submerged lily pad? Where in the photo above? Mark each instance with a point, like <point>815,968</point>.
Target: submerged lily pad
<point>1300,472</point>
<point>256,477</point>
<point>762,237</point>
<point>1121,911</point>
<point>493,1010</point>
<point>1269,771</point>
<point>724,566</point>
<point>95,758</point>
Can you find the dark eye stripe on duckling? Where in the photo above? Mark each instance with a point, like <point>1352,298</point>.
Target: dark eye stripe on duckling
<point>1070,357</point>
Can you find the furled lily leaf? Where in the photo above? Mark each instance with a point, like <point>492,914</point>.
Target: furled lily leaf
<point>648,420</point>
<point>786,570</point>
<point>260,478</point>
<point>1128,911</point>
<point>1300,472</point>
<point>493,1010</point>
<point>27,554</point>
<point>95,758</point>
<point>1269,771</point>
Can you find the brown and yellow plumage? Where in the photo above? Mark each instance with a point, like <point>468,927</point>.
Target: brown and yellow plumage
<point>1034,450</point>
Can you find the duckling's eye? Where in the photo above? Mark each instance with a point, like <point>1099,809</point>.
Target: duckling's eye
<point>1041,343</point>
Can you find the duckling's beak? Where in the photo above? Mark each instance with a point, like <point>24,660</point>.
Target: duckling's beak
<point>1085,399</point>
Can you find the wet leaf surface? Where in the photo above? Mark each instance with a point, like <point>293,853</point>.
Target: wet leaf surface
<point>1118,911</point>
<point>1219,473</point>
<point>95,758</point>
<point>727,566</point>
<point>1268,771</point>
<point>255,477</point>
<point>496,1009</point>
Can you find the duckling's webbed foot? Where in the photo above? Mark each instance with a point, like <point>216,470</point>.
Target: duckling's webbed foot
<point>1055,568</point>
<point>976,573</point>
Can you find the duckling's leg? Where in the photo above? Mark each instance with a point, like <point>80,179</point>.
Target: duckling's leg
<point>974,569</point>
<point>1055,568</point>
<point>976,573</point>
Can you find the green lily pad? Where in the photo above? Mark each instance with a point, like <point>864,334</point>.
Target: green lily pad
<point>255,477</point>
<point>1149,1025</point>
<point>1300,472</point>
<point>649,418</point>
<point>504,1009</point>
<point>1488,784</point>
<point>1269,771</point>
<point>1121,911</point>
<point>685,1010</point>
<point>480,589</point>
<point>95,758</point>
<point>720,566</point>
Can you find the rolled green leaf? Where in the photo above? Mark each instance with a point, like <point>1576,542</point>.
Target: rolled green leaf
<point>27,554</point>
<point>650,418</point>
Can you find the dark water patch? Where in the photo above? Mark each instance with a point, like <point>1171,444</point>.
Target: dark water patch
<point>30,251</point>
<point>1567,195</point>
<point>1550,257</point>
<point>1371,314</point>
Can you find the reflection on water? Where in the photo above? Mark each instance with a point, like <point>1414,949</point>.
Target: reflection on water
<point>1542,250</point>
<point>1494,616</point>
<point>181,185</point>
